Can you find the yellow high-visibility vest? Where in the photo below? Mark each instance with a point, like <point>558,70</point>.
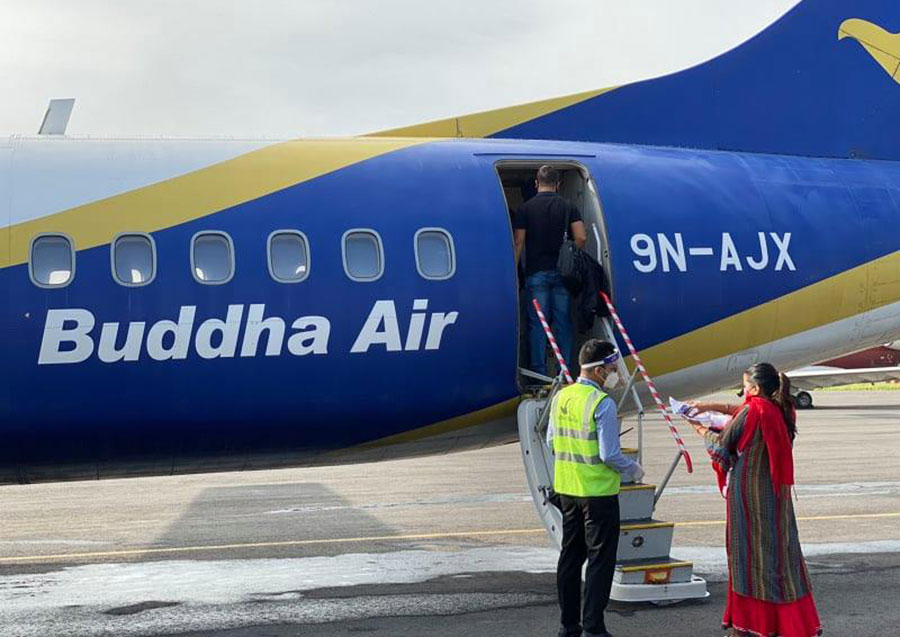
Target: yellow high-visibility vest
<point>578,470</point>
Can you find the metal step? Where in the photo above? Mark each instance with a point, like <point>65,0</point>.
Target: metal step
<point>644,540</point>
<point>660,593</point>
<point>636,502</point>
<point>665,571</point>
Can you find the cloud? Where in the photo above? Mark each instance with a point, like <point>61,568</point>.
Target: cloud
<point>278,68</point>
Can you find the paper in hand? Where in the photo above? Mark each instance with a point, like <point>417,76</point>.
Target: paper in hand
<point>715,421</point>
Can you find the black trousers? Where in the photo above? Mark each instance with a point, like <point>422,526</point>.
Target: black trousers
<point>590,532</point>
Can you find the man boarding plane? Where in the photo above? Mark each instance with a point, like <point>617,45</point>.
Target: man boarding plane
<point>183,306</point>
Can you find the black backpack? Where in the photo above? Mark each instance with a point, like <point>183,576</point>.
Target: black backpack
<point>571,262</point>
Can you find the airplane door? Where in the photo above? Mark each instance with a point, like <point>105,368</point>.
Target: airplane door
<point>538,461</point>
<point>517,177</point>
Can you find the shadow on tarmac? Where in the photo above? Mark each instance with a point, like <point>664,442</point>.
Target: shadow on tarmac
<point>269,513</point>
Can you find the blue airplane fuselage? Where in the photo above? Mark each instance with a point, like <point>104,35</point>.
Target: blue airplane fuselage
<point>714,258</point>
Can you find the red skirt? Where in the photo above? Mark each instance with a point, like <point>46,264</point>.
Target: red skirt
<point>768,619</point>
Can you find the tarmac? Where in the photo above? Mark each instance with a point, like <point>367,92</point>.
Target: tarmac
<point>446,545</point>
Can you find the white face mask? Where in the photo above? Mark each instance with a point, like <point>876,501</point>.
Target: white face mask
<point>612,381</point>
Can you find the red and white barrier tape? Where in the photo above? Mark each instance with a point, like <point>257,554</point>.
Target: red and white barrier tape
<point>559,356</point>
<point>649,381</point>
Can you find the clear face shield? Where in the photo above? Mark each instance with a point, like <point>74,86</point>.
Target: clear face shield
<point>612,379</point>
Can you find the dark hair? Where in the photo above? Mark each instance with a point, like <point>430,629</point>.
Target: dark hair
<point>547,175</point>
<point>776,387</point>
<point>595,350</point>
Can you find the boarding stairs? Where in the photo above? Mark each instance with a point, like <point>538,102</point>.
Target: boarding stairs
<point>645,568</point>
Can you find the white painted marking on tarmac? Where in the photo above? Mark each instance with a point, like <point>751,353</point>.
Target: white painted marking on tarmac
<point>208,595</point>
<point>53,543</point>
<point>834,490</point>
<point>711,561</point>
<point>209,619</point>
<point>227,593</point>
<point>502,498</point>
<point>233,581</point>
<point>841,489</point>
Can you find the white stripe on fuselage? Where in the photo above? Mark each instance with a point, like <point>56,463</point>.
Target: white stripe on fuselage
<point>820,343</point>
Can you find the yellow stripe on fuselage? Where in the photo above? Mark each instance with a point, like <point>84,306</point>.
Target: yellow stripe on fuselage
<point>489,123</point>
<point>484,416</point>
<point>850,293</point>
<point>197,194</point>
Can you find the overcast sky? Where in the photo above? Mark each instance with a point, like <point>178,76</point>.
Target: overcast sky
<point>279,68</point>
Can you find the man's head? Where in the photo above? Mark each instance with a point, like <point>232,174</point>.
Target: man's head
<point>547,179</point>
<point>598,362</point>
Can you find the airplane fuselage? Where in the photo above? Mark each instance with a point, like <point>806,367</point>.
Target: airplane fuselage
<point>716,260</point>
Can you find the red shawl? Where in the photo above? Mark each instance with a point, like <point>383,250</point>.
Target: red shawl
<point>765,414</point>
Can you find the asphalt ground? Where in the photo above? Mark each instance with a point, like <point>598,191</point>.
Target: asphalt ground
<point>445,545</point>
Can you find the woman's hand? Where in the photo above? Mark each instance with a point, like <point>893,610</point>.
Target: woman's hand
<point>698,407</point>
<point>701,407</point>
<point>699,428</point>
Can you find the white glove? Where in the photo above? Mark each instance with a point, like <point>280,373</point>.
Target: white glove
<point>638,473</point>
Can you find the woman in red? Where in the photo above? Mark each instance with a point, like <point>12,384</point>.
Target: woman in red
<point>769,593</point>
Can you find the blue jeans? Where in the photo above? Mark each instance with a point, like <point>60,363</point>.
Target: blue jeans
<point>547,287</point>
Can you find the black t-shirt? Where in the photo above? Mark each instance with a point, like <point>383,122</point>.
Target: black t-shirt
<point>543,218</point>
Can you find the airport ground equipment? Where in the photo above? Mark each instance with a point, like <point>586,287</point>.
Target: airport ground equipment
<point>645,569</point>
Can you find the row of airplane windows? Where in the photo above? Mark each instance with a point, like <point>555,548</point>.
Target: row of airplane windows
<point>51,262</point>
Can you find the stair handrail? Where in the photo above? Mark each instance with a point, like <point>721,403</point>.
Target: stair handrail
<point>650,384</point>
<point>559,357</point>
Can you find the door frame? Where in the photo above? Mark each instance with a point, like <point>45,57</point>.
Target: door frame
<point>595,226</point>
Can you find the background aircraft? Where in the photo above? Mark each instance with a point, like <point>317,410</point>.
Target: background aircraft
<point>887,355</point>
<point>874,365</point>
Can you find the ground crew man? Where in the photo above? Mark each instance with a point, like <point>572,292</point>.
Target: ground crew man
<point>589,467</point>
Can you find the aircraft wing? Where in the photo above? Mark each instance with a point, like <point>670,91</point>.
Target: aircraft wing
<point>810,378</point>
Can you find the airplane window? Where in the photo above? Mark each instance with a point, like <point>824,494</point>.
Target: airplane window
<point>52,263</point>
<point>363,255</point>
<point>212,258</point>
<point>435,257</point>
<point>134,261</point>
<point>288,256</point>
